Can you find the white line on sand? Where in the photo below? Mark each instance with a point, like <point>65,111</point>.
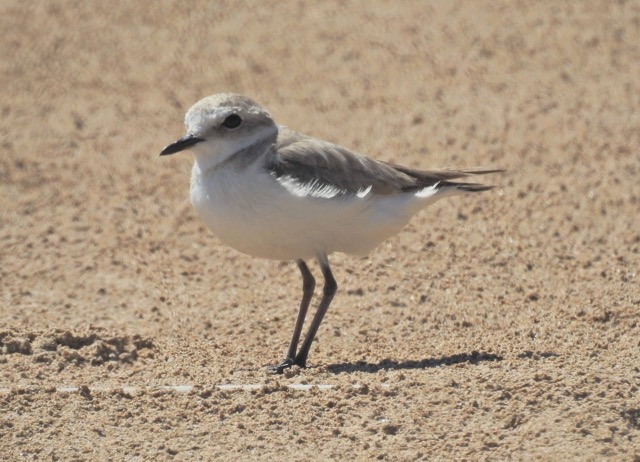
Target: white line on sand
<point>180,389</point>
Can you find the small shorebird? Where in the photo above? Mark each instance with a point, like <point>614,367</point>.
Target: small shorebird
<point>270,192</point>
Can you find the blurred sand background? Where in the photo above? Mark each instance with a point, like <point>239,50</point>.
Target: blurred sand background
<point>499,326</point>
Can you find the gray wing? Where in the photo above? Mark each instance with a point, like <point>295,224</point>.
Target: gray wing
<point>332,170</point>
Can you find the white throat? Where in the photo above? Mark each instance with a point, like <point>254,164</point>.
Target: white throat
<point>215,151</point>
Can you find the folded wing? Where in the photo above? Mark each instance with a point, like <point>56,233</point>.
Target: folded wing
<point>322,169</point>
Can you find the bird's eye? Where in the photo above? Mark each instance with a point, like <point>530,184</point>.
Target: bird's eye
<point>232,121</point>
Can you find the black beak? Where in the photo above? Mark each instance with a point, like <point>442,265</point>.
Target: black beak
<point>183,143</point>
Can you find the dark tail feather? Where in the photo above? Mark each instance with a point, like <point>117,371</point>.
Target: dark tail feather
<point>471,187</point>
<point>441,179</point>
<point>467,187</point>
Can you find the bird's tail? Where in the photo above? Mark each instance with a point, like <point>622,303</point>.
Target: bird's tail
<point>442,184</point>
<point>465,187</point>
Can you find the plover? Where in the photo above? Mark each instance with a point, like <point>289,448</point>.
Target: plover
<point>270,192</point>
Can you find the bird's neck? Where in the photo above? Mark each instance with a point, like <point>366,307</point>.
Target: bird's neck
<point>213,154</point>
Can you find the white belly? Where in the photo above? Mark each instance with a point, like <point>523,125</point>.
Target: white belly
<point>254,214</point>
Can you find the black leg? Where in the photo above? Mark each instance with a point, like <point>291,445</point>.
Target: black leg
<point>308,285</point>
<point>329,290</point>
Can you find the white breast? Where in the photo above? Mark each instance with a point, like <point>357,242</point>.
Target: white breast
<point>255,214</point>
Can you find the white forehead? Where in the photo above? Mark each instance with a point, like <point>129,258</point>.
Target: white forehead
<point>212,110</point>
<point>200,119</point>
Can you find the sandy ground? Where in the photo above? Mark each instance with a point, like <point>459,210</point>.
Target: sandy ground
<point>499,326</point>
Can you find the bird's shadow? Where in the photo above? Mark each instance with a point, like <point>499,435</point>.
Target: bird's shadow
<point>473,358</point>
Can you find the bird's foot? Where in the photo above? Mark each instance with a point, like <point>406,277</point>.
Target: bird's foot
<point>279,368</point>
<point>300,361</point>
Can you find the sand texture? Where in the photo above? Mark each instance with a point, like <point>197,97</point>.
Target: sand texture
<point>497,326</point>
